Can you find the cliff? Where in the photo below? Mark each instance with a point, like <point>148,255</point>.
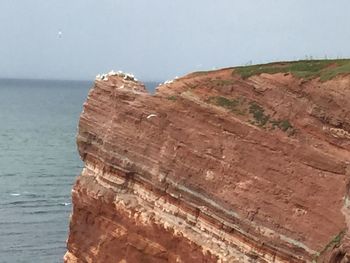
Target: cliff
<point>247,164</point>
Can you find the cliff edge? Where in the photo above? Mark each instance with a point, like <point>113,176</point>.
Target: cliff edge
<point>245,164</point>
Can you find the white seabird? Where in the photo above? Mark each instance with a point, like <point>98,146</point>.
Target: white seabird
<point>151,115</point>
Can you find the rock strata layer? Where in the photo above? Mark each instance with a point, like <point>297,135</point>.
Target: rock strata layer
<point>214,168</point>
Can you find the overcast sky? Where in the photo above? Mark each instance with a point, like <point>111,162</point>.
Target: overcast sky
<point>159,39</point>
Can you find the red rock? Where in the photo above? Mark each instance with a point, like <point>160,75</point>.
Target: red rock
<point>214,168</point>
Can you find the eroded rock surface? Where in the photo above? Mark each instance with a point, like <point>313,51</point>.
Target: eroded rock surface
<point>214,168</point>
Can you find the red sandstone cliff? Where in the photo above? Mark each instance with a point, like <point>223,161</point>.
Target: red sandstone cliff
<point>214,168</point>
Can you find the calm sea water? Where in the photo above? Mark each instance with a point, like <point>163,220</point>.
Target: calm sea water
<point>38,166</point>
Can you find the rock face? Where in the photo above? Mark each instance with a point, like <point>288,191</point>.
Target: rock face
<point>214,168</point>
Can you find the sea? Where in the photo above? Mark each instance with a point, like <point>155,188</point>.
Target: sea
<point>39,164</point>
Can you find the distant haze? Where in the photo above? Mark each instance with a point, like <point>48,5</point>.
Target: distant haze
<point>159,39</point>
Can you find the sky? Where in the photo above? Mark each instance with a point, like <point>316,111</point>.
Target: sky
<point>161,39</point>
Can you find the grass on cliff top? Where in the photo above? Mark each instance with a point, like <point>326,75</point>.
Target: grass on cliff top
<point>307,69</point>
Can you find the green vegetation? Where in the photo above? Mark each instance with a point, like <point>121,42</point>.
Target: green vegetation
<point>307,69</point>
<point>284,125</point>
<point>335,241</point>
<point>198,73</point>
<point>173,98</point>
<point>260,118</point>
<point>227,103</point>
<point>222,82</point>
<point>263,120</point>
<point>234,105</point>
<point>259,114</point>
<point>224,102</point>
<point>342,68</point>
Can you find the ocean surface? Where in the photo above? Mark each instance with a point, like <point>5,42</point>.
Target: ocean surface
<point>38,166</point>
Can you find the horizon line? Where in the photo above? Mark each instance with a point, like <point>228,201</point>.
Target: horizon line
<point>63,79</point>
